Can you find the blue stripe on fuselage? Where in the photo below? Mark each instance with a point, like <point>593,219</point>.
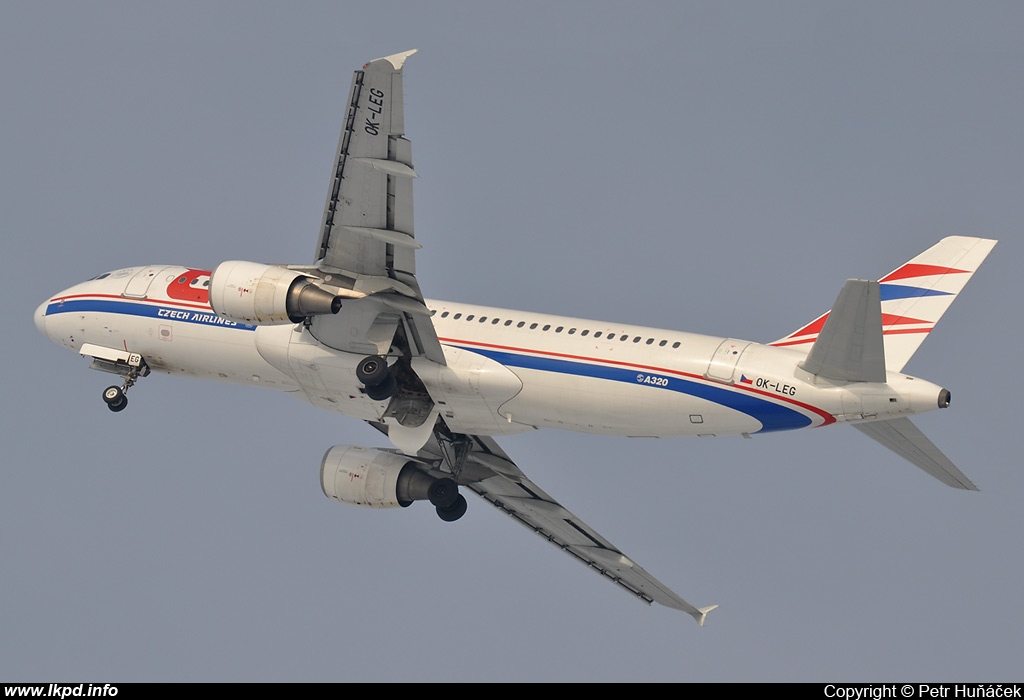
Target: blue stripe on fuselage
<point>131,308</point>
<point>772,416</point>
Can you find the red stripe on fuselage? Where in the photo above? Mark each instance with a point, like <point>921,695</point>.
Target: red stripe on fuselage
<point>155,302</point>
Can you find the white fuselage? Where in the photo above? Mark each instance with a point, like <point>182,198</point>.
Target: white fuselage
<point>507,371</point>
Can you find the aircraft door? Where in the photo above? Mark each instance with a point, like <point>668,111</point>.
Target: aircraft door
<point>722,366</point>
<point>138,286</point>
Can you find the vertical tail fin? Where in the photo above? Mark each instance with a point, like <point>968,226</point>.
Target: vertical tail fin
<point>914,296</point>
<point>850,346</point>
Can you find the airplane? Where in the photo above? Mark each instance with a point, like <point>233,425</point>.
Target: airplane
<point>353,334</point>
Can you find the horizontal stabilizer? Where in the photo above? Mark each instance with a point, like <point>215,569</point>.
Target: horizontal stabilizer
<point>905,439</point>
<point>849,346</point>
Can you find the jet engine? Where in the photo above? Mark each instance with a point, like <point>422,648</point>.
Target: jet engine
<point>374,478</point>
<point>248,292</point>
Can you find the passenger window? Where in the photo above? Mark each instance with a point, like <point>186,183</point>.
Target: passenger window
<point>675,344</point>
<point>520,324</point>
<point>457,316</point>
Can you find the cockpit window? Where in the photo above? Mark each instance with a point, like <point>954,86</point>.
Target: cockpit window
<point>103,276</point>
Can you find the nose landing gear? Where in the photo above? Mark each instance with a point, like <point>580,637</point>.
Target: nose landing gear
<point>115,398</point>
<point>130,365</point>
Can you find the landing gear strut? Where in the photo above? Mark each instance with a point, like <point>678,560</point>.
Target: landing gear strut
<point>444,493</point>
<point>116,397</point>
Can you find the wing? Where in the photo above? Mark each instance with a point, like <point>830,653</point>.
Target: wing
<point>367,244</point>
<point>367,248</point>
<point>483,467</point>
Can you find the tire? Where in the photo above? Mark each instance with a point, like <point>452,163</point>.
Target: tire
<point>119,406</point>
<point>453,512</point>
<point>383,391</point>
<point>372,370</point>
<point>113,395</point>
<point>443,493</point>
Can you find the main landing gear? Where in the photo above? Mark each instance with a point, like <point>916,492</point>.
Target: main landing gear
<point>378,382</point>
<point>445,497</point>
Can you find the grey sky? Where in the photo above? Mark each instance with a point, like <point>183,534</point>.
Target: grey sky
<point>711,167</point>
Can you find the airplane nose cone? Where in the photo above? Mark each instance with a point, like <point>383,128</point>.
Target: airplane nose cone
<point>41,317</point>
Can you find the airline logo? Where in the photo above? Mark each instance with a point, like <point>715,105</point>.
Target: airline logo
<point>191,285</point>
<point>916,281</point>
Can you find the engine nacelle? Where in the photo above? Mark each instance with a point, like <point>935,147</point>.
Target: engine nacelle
<point>248,292</point>
<point>372,478</point>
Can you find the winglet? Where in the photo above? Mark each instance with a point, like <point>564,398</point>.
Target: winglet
<point>702,614</point>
